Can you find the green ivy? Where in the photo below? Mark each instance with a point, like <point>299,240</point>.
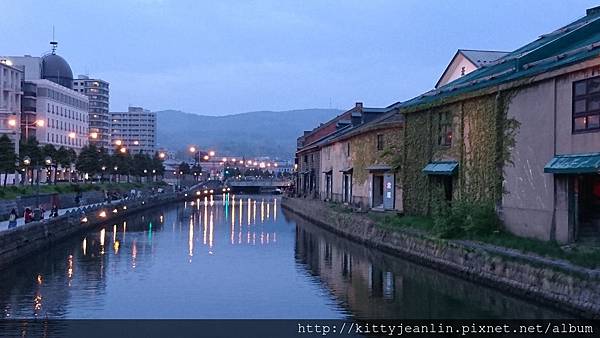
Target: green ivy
<point>483,136</point>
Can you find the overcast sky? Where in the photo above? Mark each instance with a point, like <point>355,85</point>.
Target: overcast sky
<point>223,57</point>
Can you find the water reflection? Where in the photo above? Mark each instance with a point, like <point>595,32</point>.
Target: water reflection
<point>373,284</point>
<point>119,270</point>
<point>234,257</point>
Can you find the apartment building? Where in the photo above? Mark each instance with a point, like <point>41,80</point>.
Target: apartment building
<point>134,129</point>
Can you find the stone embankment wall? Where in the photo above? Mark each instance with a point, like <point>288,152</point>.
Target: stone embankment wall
<point>551,282</point>
<point>24,240</point>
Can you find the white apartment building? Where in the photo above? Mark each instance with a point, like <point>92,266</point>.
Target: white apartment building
<point>97,92</point>
<point>10,101</point>
<point>61,115</point>
<point>134,129</point>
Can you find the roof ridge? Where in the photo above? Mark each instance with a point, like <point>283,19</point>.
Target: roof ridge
<point>483,50</point>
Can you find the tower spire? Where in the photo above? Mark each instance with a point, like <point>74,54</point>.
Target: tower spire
<point>53,43</point>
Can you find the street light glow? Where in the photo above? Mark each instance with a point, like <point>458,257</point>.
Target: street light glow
<point>94,135</point>
<point>72,135</point>
<point>39,123</point>
<point>206,157</point>
<point>211,153</point>
<point>192,149</point>
<point>123,150</point>
<point>161,155</point>
<point>118,142</point>
<point>12,122</point>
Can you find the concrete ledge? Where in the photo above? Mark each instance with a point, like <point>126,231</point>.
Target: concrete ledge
<point>553,283</point>
<point>22,241</point>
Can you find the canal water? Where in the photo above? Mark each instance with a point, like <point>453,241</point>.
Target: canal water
<point>236,257</point>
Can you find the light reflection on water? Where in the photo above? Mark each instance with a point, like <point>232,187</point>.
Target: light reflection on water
<point>185,261</point>
<point>235,257</point>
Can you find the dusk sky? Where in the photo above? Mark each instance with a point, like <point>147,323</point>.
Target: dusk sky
<point>224,57</point>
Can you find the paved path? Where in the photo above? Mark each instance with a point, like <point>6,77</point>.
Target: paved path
<point>21,220</point>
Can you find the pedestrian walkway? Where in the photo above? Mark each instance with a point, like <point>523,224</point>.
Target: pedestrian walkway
<point>21,220</point>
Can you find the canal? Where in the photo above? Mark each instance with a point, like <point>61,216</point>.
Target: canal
<point>238,257</point>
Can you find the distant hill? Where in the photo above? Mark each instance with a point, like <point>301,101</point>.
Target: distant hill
<point>266,133</point>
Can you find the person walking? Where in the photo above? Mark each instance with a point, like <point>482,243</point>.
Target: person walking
<point>54,211</point>
<point>28,215</point>
<point>12,219</point>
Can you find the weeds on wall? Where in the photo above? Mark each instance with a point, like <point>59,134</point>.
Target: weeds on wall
<point>482,143</point>
<point>463,219</point>
<point>364,152</point>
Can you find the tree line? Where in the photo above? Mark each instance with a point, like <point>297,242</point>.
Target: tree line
<point>91,160</point>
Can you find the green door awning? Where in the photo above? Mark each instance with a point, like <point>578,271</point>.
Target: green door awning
<point>574,164</point>
<point>447,168</point>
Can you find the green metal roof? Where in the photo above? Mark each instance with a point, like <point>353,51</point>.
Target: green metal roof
<point>574,164</point>
<point>447,168</point>
<point>571,44</point>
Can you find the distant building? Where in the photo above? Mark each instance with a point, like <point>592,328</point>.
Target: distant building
<point>308,152</point>
<point>466,61</point>
<point>355,163</point>
<point>97,92</point>
<point>51,110</point>
<point>30,65</point>
<point>63,114</point>
<point>134,129</point>
<point>10,101</point>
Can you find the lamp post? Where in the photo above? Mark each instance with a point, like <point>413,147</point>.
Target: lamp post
<point>200,156</point>
<point>48,163</point>
<point>27,162</point>
<point>36,123</point>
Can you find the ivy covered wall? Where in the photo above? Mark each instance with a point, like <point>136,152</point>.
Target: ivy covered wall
<point>364,153</point>
<point>481,136</point>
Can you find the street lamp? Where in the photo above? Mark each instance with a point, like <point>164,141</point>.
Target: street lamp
<point>115,168</point>
<point>48,163</point>
<point>36,123</point>
<point>27,162</point>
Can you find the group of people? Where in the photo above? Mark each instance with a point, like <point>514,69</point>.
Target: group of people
<point>29,215</point>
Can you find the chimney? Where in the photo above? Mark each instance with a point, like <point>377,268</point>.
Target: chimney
<point>358,105</point>
<point>592,11</point>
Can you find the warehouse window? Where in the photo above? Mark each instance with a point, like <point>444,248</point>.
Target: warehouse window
<point>586,105</point>
<point>445,129</point>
